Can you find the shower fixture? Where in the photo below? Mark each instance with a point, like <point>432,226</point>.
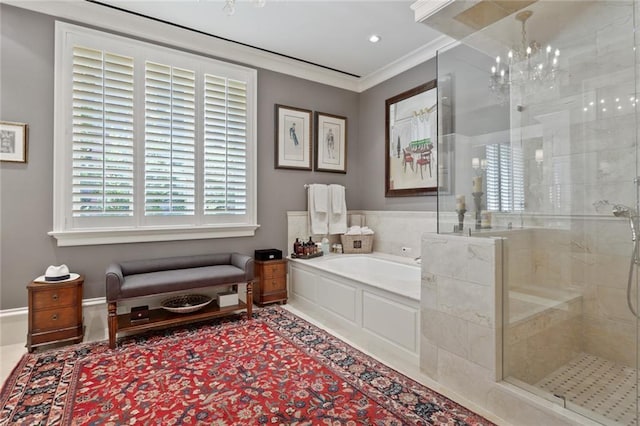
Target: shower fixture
<point>620,210</point>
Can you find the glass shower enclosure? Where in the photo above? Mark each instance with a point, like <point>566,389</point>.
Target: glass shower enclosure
<point>538,141</point>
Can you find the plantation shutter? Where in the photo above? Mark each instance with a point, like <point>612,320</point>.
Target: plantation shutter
<point>169,149</point>
<point>225,146</point>
<point>493,178</point>
<point>102,134</point>
<point>518,178</point>
<point>505,178</point>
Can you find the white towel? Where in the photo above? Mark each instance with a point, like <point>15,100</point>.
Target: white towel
<point>337,198</point>
<point>338,215</point>
<point>366,230</point>
<point>354,230</point>
<point>318,221</point>
<point>321,198</point>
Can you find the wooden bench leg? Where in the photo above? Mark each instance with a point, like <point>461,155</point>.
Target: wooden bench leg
<point>249,299</point>
<point>113,324</point>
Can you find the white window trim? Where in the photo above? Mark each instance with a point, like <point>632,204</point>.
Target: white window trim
<point>62,169</point>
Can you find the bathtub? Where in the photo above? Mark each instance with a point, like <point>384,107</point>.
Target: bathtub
<point>374,300</point>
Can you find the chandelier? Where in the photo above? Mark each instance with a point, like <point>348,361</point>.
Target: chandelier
<point>230,5</point>
<point>528,65</point>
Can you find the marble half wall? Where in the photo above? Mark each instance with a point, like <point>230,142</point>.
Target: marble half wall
<point>461,329</point>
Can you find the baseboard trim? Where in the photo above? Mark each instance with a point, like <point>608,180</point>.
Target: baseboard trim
<point>6,313</point>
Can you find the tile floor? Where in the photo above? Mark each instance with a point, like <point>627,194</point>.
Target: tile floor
<point>607,389</point>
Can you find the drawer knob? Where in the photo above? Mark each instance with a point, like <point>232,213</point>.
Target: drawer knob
<point>54,317</point>
<point>55,296</point>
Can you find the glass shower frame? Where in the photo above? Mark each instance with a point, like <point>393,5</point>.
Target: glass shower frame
<point>542,166</point>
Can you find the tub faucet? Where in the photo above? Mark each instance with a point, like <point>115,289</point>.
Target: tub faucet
<point>418,259</point>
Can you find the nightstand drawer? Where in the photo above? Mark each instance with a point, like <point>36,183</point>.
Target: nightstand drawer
<point>50,319</point>
<point>274,270</point>
<point>55,297</point>
<point>273,284</point>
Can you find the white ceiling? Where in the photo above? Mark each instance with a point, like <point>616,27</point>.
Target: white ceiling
<point>330,33</point>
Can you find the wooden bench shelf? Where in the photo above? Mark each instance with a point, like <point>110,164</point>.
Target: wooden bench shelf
<point>159,318</point>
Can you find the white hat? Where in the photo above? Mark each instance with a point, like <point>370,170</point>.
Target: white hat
<point>57,274</point>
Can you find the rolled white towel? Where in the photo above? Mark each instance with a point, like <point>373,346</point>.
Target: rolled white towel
<point>354,230</point>
<point>366,230</point>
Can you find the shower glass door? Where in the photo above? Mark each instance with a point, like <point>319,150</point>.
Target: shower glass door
<point>548,136</point>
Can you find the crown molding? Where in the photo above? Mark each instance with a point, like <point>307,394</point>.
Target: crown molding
<point>410,60</point>
<point>424,9</point>
<point>101,17</point>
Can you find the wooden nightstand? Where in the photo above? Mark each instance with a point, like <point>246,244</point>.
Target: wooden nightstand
<point>270,282</point>
<point>55,313</point>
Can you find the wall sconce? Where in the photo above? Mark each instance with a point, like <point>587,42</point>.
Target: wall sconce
<point>539,156</point>
<point>479,164</point>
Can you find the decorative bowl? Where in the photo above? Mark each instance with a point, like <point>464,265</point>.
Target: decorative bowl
<point>186,303</point>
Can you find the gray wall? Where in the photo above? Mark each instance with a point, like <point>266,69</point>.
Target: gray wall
<point>371,150</point>
<point>26,85</point>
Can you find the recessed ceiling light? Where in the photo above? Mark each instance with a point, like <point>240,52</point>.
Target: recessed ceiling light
<point>374,38</point>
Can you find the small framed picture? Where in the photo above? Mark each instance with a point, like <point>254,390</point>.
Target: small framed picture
<point>13,142</point>
<point>331,143</point>
<point>293,138</point>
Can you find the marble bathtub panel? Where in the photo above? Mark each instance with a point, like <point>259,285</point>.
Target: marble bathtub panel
<point>429,357</point>
<point>612,304</point>
<point>452,334</point>
<point>610,339</point>
<point>467,378</point>
<point>446,257</point>
<point>482,345</point>
<point>466,300</point>
<point>428,291</point>
<point>480,263</point>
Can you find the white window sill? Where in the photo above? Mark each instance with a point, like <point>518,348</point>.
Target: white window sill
<point>142,235</point>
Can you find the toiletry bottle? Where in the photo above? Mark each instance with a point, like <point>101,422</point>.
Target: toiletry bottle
<point>312,246</point>
<point>325,245</point>
<point>296,247</point>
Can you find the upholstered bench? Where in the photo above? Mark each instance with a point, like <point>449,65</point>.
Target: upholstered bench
<point>140,278</point>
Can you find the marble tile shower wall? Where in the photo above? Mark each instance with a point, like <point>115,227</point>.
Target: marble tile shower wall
<point>588,257</point>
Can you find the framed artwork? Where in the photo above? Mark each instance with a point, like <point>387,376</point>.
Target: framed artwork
<point>13,142</point>
<point>411,142</point>
<point>293,138</point>
<point>331,143</point>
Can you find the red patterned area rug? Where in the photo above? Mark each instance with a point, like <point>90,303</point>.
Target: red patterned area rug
<point>275,369</point>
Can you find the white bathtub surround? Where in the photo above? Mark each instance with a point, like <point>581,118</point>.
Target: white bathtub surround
<point>461,334</point>
<point>372,299</point>
<point>394,230</point>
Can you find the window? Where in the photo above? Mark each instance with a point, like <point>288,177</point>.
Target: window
<point>151,143</point>
<point>505,178</point>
